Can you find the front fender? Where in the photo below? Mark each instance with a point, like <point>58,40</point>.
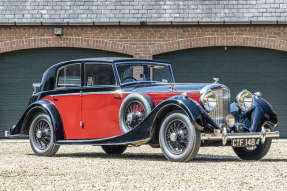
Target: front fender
<point>22,127</point>
<point>261,112</point>
<point>189,106</point>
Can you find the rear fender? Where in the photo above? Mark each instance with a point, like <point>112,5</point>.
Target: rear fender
<point>33,109</point>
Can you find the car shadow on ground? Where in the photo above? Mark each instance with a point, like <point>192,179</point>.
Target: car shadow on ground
<point>200,158</point>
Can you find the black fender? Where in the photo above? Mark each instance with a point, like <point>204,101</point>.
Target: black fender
<point>22,127</point>
<point>190,107</point>
<point>261,112</point>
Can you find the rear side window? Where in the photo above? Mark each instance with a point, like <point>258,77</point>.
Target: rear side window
<point>69,76</point>
<point>99,74</point>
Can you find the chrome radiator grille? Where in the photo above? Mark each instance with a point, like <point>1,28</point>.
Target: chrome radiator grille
<point>223,105</point>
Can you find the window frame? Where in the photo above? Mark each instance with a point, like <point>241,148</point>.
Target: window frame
<point>116,84</point>
<point>67,65</point>
<point>141,62</point>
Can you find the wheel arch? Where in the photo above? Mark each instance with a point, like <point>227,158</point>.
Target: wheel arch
<point>41,106</point>
<point>186,106</point>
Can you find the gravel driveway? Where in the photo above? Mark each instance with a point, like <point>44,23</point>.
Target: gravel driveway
<point>139,168</point>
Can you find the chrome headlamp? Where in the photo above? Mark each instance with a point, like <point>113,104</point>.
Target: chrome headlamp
<point>245,100</point>
<point>208,100</point>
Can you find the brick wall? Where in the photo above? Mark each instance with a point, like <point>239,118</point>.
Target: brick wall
<point>144,41</point>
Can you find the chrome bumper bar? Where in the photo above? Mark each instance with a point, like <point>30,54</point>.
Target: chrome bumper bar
<point>224,136</point>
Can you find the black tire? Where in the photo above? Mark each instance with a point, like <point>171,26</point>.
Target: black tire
<point>187,137</point>
<point>41,136</point>
<point>256,154</point>
<point>114,149</point>
<point>143,100</point>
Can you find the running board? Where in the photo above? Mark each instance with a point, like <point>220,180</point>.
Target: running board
<point>8,135</point>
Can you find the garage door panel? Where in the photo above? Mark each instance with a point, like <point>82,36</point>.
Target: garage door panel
<point>19,69</point>
<point>239,68</point>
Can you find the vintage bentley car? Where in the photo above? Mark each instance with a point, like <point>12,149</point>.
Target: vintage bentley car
<point>116,102</point>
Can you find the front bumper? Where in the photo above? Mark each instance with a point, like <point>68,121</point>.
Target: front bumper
<point>224,136</point>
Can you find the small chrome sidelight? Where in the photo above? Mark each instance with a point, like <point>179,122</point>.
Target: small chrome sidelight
<point>216,80</point>
<point>184,95</point>
<point>230,120</point>
<point>258,94</point>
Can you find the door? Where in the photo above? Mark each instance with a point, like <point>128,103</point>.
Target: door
<point>68,99</point>
<point>100,101</point>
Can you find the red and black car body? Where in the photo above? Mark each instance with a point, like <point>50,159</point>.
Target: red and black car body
<point>86,110</point>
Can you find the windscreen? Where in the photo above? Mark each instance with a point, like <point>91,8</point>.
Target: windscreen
<point>144,72</point>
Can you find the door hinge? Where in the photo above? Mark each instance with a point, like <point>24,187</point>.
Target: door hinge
<point>82,124</point>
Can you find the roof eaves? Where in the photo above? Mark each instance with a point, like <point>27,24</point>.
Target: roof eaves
<point>142,23</point>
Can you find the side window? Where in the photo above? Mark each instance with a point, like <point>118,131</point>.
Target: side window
<point>99,74</point>
<point>69,76</point>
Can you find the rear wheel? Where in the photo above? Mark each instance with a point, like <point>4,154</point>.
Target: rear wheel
<point>114,149</point>
<point>179,139</point>
<point>254,153</point>
<point>41,135</point>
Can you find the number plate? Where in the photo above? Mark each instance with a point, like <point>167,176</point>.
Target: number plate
<point>245,142</point>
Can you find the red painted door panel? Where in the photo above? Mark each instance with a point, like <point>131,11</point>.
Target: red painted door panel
<point>69,107</point>
<point>100,115</point>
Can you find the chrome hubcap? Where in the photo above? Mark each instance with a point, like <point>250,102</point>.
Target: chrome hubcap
<point>39,134</point>
<point>173,137</point>
<point>135,113</point>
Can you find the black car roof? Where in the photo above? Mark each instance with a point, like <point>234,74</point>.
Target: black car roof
<point>50,73</point>
<point>109,59</point>
<point>104,59</point>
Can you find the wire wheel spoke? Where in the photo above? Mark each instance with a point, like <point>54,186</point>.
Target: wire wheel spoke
<point>134,114</point>
<point>176,135</point>
<point>42,134</point>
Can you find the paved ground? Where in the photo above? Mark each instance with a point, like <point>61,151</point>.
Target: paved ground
<point>140,168</point>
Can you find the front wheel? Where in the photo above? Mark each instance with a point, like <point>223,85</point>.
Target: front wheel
<point>178,137</point>
<point>114,149</point>
<point>41,135</point>
<point>256,153</point>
